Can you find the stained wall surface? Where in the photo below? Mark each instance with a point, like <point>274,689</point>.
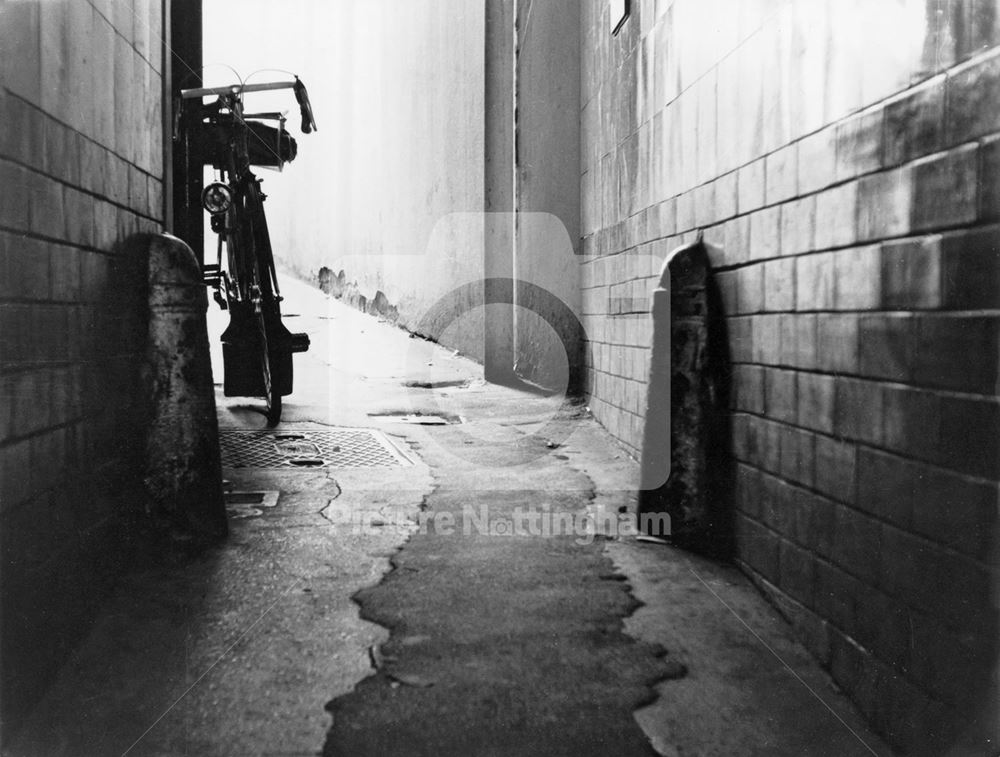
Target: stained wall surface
<point>842,159</point>
<point>389,190</point>
<point>81,166</point>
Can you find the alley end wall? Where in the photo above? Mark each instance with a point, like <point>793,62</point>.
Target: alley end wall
<point>843,160</point>
<point>81,166</point>
<point>389,191</point>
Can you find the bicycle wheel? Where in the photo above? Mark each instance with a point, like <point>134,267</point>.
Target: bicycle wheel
<point>262,265</point>
<point>262,246</point>
<point>238,289</point>
<point>272,397</point>
<point>270,302</point>
<point>252,288</point>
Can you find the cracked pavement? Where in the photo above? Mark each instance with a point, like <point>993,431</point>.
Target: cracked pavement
<point>427,631</point>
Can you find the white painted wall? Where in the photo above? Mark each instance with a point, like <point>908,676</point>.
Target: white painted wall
<point>397,90</point>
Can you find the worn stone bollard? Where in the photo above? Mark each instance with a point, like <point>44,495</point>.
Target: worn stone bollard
<point>684,463</point>
<point>183,474</point>
<point>655,462</point>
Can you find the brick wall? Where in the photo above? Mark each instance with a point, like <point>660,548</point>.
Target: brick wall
<point>847,178</point>
<point>81,167</point>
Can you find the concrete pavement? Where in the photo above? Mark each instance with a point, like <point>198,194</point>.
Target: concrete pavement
<point>479,632</point>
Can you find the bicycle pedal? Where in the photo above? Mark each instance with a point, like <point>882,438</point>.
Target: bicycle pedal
<point>300,342</point>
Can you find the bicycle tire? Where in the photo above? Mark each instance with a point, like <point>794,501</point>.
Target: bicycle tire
<point>262,266</point>
<point>272,397</point>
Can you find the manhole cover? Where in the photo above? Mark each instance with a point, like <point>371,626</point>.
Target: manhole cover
<point>305,449</point>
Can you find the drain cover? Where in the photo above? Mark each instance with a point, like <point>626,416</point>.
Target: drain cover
<point>304,449</point>
<point>421,419</point>
<point>249,504</point>
<point>424,420</point>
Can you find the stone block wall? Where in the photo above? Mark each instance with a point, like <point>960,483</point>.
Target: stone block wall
<point>81,166</point>
<point>841,158</point>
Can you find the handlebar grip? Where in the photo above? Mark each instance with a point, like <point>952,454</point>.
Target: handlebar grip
<point>308,122</point>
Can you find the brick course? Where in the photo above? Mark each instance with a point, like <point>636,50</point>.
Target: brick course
<point>858,262</point>
<point>77,180</point>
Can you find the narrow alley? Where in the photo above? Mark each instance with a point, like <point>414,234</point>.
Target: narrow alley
<point>500,377</point>
<point>459,647</point>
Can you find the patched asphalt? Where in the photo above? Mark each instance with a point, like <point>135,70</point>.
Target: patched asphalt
<point>500,643</point>
<point>453,639</point>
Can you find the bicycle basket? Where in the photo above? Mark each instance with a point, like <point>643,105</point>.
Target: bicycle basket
<point>266,145</point>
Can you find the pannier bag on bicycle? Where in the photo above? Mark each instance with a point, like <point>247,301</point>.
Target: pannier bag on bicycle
<point>269,146</point>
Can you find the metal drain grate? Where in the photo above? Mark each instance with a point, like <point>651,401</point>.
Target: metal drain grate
<point>293,448</point>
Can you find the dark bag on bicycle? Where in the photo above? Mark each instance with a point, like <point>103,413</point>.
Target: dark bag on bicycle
<point>266,145</point>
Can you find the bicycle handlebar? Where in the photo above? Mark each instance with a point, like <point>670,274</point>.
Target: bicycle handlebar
<point>301,96</point>
<point>233,89</point>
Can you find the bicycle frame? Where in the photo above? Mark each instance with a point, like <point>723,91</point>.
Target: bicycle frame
<point>257,348</point>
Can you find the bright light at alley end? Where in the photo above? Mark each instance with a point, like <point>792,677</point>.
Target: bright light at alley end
<point>216,198</point>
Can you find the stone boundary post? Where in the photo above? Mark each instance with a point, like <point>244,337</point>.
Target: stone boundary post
<point>183,474</point>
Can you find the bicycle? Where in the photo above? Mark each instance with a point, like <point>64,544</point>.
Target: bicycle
<point>257,348</point>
